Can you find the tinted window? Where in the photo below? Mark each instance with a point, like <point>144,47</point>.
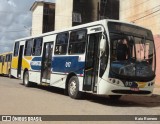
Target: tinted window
<point>16,49</point>
<point>129,29</point>
<point>8,57</point>
<point>28,47</point>
<point>61,44</point>
<point>77,42</point>
<point>0,58</point>
<point>37,47</point>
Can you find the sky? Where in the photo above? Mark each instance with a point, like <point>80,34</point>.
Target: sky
<point>15,21</point>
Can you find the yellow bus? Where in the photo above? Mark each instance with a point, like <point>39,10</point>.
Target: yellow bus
<point>5,63</point>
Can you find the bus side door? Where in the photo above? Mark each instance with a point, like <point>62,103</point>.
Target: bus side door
<point>1,61</point>
<point>3,64</point>
<point>92,62</point>
<point>20,61</point>
<point>46,62</point>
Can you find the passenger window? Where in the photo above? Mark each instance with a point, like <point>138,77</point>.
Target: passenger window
<point>61,44</point>
<point>6,59</point>
<point>10,57</point>
<point>37,47</point>
<point>16,49</point>
<point>28,47</point>
<point>0,59</point>
<point>77,42</point>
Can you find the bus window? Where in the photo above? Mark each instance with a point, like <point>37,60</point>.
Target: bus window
<point>37,47</point>
<point>3,60</point>
<point>61,44</point>
<point>28,48</point>
<point>0,59</point>
<point>10,58</point>
<point>77,42</point>
<point>7,57</point>
<point>16,49</point>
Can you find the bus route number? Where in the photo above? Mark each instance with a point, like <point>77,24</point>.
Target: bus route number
<point>68,64</point>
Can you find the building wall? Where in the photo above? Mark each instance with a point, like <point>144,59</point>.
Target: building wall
<point>63,14</point>
<point>37,20</point>
<point>142,12</point>
<point>145,13</point>
<point>69,12</point>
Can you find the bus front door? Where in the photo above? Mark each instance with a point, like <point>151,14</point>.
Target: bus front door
<point>92,63</point>
<point>5,65</point>
<point>46,62</point>
<point>3,62</point>
<point>20,61</point>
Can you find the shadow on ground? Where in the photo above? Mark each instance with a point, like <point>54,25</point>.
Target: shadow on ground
<point>125,101</point>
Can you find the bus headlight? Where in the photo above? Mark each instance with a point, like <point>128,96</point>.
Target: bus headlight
<point>115,81</point>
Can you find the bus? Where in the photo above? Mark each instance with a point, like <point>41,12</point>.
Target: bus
<point>5,63</point>
<point>105,57</point>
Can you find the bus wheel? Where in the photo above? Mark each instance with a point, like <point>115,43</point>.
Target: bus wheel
<point>73,88</point>
<point>26,79</point>
<point>114,97</point>
<point>9,74</point>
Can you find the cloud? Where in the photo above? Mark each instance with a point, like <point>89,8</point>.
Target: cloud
<point>11,3</point>
<point>15,16</point>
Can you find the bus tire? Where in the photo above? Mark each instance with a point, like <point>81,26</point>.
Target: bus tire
<point>9,74</point>
<point>114,97</point>
<point>73,88</point>
<point>26,81</point>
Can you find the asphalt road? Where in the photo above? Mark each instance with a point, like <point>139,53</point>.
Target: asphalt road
<point>16,99</point>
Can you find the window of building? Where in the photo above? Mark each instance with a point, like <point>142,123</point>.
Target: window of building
<point>77,42</point>
<point>37,47</point>
<point>28,47</point>
<point>16,49</point>
<point>61,44</point>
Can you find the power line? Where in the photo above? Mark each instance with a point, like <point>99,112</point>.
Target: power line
<point>145,15</point>
<point>134,6</point>
<point>150,17</point>
<point>142,12</point>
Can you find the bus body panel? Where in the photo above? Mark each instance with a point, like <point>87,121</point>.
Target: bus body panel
<point>16,66</point>
<point>63,65</point>
<point>110,88</point>
<point>5,64</point>
<point>0,67</point>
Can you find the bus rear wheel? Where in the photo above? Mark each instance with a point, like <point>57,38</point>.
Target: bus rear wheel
<point>9,74</point>
<point>73,88</point>
<point>26,81</point>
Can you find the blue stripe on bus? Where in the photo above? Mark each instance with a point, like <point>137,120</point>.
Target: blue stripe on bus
<point>67,64</point>
<point>61,64</point>
<point>36,63</point>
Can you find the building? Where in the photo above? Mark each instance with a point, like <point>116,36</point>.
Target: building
<point>67,13</point>
<point>74,12</point>
<point>43,17</point>
<point>145,13</point>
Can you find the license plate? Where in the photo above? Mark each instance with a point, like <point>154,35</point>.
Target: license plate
<point>134,89</point>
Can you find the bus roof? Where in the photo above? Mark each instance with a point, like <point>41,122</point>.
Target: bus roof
<point>104,21</point>
<point>6,53</point>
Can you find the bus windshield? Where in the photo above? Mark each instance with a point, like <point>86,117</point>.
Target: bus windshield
<point>132,52</point>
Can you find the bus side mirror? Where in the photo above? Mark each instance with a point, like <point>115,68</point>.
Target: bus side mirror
<point>103,43</point>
